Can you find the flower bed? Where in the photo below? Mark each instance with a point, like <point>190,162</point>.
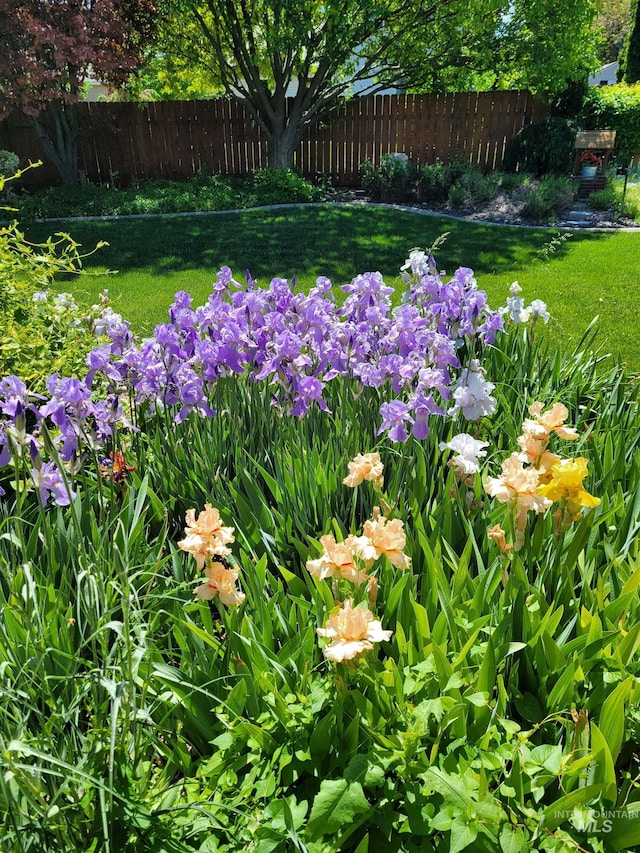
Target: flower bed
<point>295,575</point>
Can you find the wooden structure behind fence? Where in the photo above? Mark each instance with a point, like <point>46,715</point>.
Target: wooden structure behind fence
<point>176,139</point>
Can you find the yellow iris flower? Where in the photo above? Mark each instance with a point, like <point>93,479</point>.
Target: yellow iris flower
<point>565,484</point>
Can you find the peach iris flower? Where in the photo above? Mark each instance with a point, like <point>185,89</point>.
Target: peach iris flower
<point>544,423</point>
<point>352,631</point>
<point>338,560</point>
<point>365,466</point>
<point>537,430</point>
<point>518,488</point>
<point>384,537</point>
<point>205,535</point>
<point>496,534</point>
<point>220,582</point>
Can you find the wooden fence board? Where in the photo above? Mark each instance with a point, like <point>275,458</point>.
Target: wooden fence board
<point>366,135</point>
<point>176,139</point>
<point>422,144</point>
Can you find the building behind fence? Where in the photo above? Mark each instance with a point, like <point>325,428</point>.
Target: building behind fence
<point>176,139</point>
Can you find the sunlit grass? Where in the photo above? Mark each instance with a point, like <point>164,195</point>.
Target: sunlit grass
<point>591,273</point>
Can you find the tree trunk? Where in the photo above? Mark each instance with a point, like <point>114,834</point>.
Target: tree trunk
<point>282,142</point>
<point>57,129</point>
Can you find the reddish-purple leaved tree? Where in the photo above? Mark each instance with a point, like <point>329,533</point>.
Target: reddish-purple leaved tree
<point>49,47</point>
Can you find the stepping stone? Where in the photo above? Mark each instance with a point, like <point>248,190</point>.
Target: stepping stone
<point>578,216</point>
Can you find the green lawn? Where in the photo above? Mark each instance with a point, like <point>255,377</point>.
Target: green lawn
<point>591,274</point>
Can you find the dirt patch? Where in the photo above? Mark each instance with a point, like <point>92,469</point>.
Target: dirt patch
<point>506,208</point>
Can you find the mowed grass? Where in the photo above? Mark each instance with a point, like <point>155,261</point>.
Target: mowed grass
<point>589,274</point>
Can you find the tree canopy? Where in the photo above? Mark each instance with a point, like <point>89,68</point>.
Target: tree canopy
<point>262,51</point>
<point>613,21</point>
<point>546,45</point>
<point>312,52</point>
<point>629,71</point>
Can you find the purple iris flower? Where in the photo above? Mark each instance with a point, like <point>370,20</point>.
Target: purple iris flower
<point>394,415</point>
<point>308,390</point>
<point>50,484</point>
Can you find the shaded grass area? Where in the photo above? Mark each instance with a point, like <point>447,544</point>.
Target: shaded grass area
<point>591,273</point>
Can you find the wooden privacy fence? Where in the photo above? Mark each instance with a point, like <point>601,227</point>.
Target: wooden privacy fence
<point>176,139</point>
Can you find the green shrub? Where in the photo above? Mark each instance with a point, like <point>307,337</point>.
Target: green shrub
<point>200,193</point>
<point>458,194</point>
<point>391,181</point>
<point>615,108</point>
<point>546,147</point>
<point>9,163</point>
<point>481,187</point>
<point>552,197</point>
<point>472,186</point>
<point>88,200</point>
<point>42,334</point>
<point>457,169</point>
<point>510,181</point>
<point>603,199</point>
<point>458,181</point>
<point>631,208</point>
<point>282,186</point>
<point>614,198</point>
<point>433,182</point>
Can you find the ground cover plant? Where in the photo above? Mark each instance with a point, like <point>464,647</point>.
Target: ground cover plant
<point>157,257</point>
<point>200,193</point>
<point>305,574</point>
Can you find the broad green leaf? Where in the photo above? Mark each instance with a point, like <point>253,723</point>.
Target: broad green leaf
<point>624,833</point>
<point>394,596</point>
<point>611,722</point>
<point>487,675</point>
<point>462,655</point>
<point>462,835</point>
<point>629,644</point>
<point>432,708</point>
<point>237,698</point>
<point>578,542</point>
<point>632,584</point>
<point>602,770</point>
<point>445,671</point>
<point>363,846</point>
<point>364,770</point>
<point>480,700</point>
<point>320,741</point>
<point>558,812</point>
<point>529,708</point>
<point>336,804</point>
<point>561,695</point>
<point>257,734</point>
<point>422,621</point>
<point>295,584</point>
<point>512,840</point>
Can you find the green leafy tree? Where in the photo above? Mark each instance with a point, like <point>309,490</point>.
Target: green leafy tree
<point>177,65</point>
<point>546,45</point>
<point>613,22</point>
<point>288,61</point>
<point>629,71</point>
